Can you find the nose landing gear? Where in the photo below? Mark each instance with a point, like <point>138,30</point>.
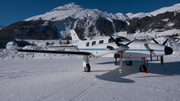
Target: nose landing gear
<point>86,65</point>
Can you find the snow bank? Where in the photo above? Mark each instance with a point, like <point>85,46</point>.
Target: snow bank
<point>5,54</point>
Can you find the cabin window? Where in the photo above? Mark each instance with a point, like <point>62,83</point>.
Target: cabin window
<point>110,40</point>
<point>87,44</point>
<point>93,43</point>
<point>101,41</point>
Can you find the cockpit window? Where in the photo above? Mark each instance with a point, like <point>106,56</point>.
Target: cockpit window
<point>110,40</point>
<point>122,39</point>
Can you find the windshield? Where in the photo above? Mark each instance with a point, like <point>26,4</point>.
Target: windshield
<point>122,39</point>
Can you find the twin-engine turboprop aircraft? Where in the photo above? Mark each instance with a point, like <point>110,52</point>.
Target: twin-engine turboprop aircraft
<point>118,47</point>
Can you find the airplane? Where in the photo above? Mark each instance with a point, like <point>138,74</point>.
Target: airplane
<point>117,47</point>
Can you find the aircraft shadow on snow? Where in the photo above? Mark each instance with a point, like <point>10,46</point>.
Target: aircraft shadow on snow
<point>168,69</point>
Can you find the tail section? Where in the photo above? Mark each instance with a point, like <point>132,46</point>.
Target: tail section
<point>75,38</point>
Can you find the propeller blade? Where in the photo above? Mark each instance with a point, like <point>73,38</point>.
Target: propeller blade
<point>165,42</point>
<point>158,42</point>
<point>121,63</point>
<point>129,43</point>
<point>162,60</point>
<point>155,41</point>
<point>114,41</point>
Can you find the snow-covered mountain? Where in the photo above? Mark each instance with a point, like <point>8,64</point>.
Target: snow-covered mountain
<point>1,27</point>
<point>88,23</point>
<point>174,8</point>
<point>56,24</point>
<point>76,12</point>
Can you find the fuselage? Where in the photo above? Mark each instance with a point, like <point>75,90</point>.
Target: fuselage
<point>105,47</point>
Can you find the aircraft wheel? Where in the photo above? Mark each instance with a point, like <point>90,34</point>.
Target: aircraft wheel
<point>87,68</point>
<point>129,63</point>
<point>143,68</point>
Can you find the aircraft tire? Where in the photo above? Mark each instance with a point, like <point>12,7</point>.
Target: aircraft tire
<point>87,68</point>
<point>143,68</point>
<point>128,63</point>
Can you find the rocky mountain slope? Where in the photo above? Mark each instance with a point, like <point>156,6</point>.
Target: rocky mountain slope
<point>88,23</point>
<point>166,18</point>
<point>56,24</point>
<point>1,27</point>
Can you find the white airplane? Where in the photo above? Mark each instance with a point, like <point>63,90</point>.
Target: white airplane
<point>117,47</point>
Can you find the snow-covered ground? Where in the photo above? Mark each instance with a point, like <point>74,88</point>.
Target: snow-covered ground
<point>63,80</point>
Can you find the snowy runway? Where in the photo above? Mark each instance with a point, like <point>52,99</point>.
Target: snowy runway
<point>63,80</point>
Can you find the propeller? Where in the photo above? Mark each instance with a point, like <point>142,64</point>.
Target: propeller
<point>118,44</point>
<point>121,48</point>
<point>158,42</point>
<point>162,58</point>
<point>165,42</point>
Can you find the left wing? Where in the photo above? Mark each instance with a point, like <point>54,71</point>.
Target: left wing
<point>62,46</point>
<point>56,52</point>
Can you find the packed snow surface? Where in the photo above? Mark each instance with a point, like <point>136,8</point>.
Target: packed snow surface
<point>63,80</point>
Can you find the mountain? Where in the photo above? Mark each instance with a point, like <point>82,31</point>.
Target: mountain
<point>166,18</point>
<point>1,27</point>
<point>174,8</point>
<point>76,12</point>
<point>56,24</point>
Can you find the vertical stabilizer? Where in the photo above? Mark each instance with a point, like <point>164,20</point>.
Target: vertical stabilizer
<point>75,38</point>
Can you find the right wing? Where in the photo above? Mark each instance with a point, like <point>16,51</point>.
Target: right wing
<point>56,52</point>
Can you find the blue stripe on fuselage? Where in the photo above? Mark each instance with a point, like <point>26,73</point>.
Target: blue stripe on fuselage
<point>104,49</point>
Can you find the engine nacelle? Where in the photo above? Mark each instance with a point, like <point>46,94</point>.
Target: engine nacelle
<point>11,46</point>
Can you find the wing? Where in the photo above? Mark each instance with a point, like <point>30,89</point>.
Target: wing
<point>56,52</point>
<point>62,46</point>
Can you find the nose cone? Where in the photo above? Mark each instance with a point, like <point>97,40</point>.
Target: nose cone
<point>168,50</point>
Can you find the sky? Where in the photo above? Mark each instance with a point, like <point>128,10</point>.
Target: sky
<point>12,11</point>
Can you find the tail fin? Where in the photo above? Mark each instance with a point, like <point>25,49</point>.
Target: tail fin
<point>75,38</point>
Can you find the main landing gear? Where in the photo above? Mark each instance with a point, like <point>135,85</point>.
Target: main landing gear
<point>87,68</point>
<point>129,63</point>
<point>86,65</point>
<point>143,67</point>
